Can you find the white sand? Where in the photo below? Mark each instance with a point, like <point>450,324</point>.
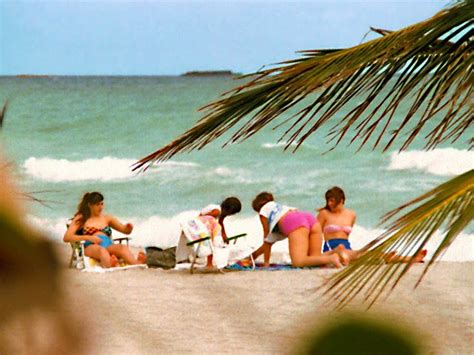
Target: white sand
<point>156,311</point>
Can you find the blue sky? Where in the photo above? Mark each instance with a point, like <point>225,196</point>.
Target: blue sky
<point>109,37</point>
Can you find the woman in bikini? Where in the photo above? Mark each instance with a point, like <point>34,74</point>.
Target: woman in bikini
<point>337,222</point>
<point>95,228</point>
<point>301,228</point>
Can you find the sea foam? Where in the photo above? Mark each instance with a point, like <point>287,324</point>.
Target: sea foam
<point>278,145</point>
<point>446,161</point>
<point>101,169</point>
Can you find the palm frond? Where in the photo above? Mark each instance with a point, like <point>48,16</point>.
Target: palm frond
<point>3,112</point>
<point>34,196</point>
<point>9,166</point>
<point>448,207</point>
<point>427,65</point>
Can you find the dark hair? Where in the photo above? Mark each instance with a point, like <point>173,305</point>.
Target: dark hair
<point>87,199</point>
<point>336,193</point>
<point>230,206</point>
<point>260,200</point>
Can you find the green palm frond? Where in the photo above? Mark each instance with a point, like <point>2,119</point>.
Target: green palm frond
<point>3,113</point>
<point>427,65</point>
<point>448,207</point>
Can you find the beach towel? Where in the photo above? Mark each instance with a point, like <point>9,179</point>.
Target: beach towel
<point>195,240</point>
<point>245,265</point>
<point>100,269</point>
<point>92,265</point>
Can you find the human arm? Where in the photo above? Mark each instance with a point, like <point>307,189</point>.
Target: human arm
<point>322,214</point>
<point>118,226</point>
<point>265,226</point>
<point>223,232</point>
<point>354,217</point>
<point>71,234</point>
<point>267,251</point>
<point>267,247</point>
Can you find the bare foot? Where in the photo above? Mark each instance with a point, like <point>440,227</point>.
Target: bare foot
<point>344,256</point>
<point>141,257</point>
<point>418,258</point>
<point>113,261</point>
<point>391,257</point>
<point>335,260</point>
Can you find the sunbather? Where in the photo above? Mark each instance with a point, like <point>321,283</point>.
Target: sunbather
<point>95,228</point>
<point>301,228</point>
<point>337,222</point>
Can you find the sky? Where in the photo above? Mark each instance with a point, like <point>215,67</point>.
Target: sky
<point>111,37</point>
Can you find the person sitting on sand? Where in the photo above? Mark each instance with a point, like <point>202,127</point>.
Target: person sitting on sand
<point>228,207</point>
<point>337,223</point>
<point>301,228</point>
<point>95,228</point>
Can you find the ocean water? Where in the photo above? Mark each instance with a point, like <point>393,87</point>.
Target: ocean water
<point>69,135</point>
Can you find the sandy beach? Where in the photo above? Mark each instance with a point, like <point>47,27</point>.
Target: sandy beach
<point>145,311</point>
<point>336,122</point>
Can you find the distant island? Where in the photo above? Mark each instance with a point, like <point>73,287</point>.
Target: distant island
<point>27,76</point>
<point>210,73</point>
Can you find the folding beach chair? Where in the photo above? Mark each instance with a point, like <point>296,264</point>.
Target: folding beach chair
<point>78,259</point>
<point>195,242</point>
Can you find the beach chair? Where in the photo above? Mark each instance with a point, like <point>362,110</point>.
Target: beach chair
<point>78,259</point>
<point>195,242</point>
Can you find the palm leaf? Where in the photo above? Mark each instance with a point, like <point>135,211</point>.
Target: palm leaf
<point>3,113</point>
<point>427,65</point>
<point>448,206</point>
<point>32,195</point>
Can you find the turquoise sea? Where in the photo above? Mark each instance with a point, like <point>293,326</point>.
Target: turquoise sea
<point>69,135</point>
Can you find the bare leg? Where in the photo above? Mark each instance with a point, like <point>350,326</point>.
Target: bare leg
<point>346,255</point>
<point>141,257</point>
<point>113,261</point>
<point>122,251</point>
<point>393,258</point>
<point>316,245</point>
<point>315,240</point>
<point>299,251</point>
<point>95,251</point>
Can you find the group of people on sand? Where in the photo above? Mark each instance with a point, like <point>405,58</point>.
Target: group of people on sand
<point>321,239</point>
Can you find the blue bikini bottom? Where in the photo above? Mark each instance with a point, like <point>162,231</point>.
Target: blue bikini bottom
<point>106,242</point>
<point>333,243</point>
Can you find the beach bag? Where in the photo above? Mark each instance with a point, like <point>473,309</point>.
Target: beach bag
<point>162,258</point>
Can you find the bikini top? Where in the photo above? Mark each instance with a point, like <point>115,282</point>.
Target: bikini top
<point>333,228</point>
<point>92,230</point>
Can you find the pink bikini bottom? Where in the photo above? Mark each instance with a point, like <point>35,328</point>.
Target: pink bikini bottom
<point>296,219</point>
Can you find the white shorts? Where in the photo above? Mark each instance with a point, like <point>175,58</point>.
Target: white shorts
<point>274,237</point>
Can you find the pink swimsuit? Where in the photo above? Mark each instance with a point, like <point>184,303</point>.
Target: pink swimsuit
<point>334,228</point>
<point>295,219</point>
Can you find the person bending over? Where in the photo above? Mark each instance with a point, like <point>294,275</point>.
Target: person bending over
<point>301,228</point>
<point>228,207</point>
